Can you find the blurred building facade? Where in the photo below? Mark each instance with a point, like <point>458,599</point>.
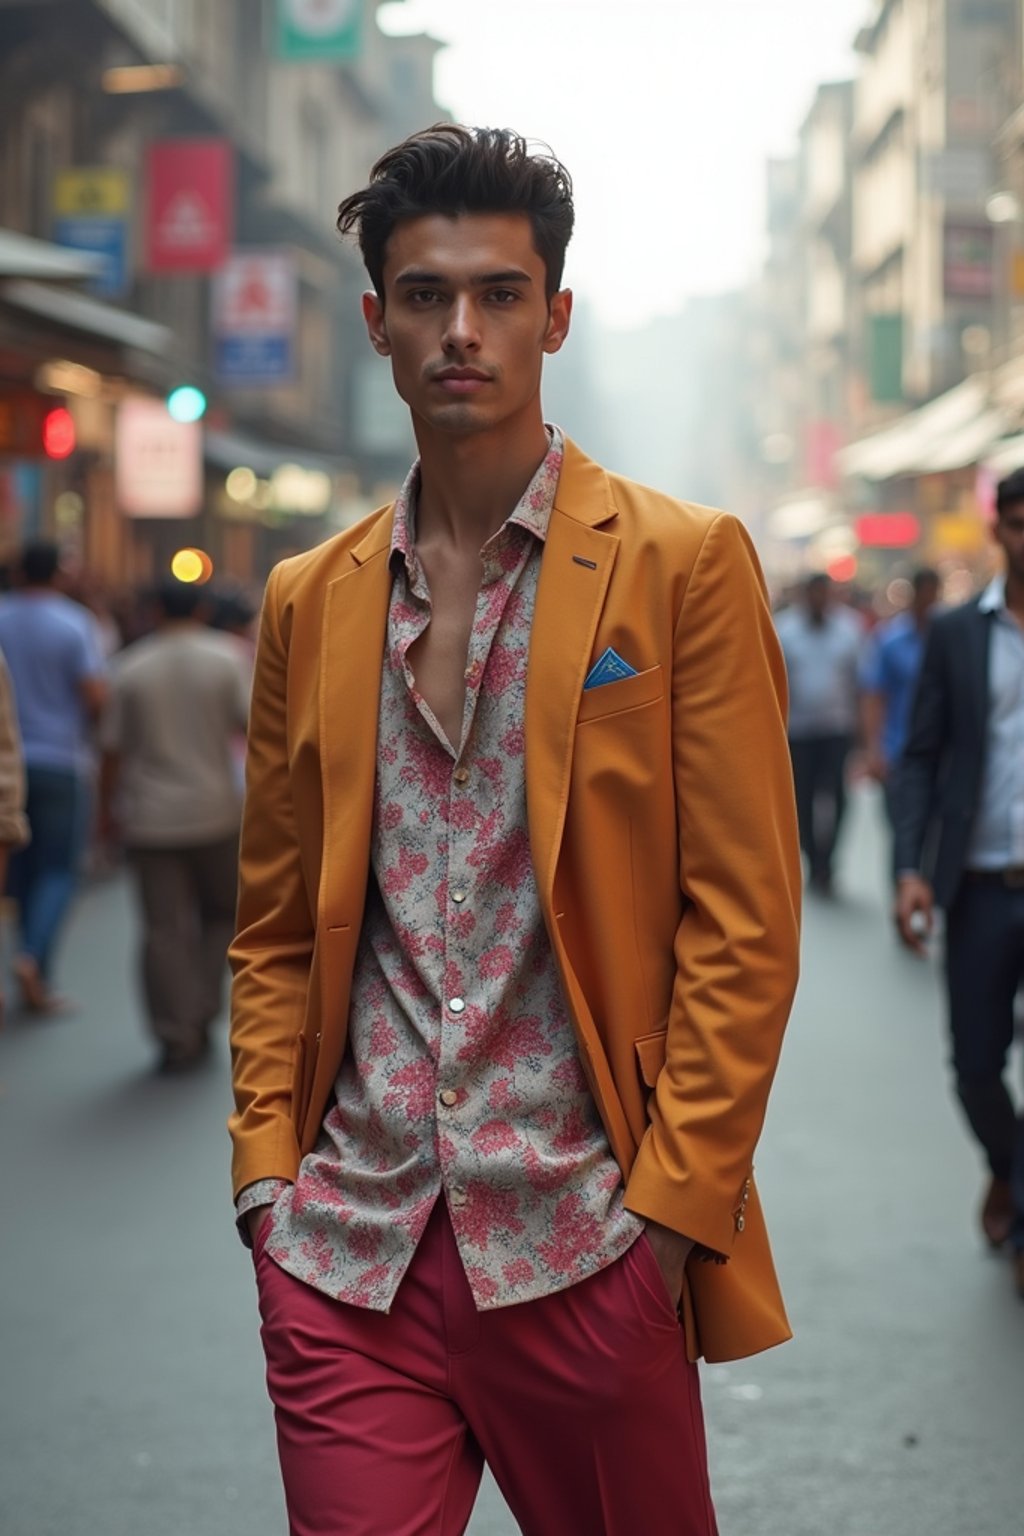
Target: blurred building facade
<point>887,331</point>
<point>169,177</point>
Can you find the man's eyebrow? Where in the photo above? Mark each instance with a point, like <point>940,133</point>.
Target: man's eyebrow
<point>417,277</point>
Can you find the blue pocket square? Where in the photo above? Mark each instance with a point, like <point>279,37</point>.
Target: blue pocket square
<point>609,668</point>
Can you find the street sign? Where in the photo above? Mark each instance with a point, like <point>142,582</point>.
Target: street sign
<point>158,462</point>
<point>190,204</point>
<point>90,205</point>
<point>315,30</point>
<point>254,299</point>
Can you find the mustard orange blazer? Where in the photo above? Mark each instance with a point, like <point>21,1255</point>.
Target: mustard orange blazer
<point>664,844</point>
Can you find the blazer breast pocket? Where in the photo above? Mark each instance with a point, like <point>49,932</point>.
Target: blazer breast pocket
<point>625,693</point>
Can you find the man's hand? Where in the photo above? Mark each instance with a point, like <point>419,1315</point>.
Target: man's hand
<point>875,766</point>
<point>914,912</point>
<point>254,1220</point>
<point>671,1249</point>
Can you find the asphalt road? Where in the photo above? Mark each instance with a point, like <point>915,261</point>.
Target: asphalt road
<point>131,1392</point>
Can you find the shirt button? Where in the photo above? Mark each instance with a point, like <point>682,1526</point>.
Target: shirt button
<point>456,1197</point>
<point>458,897</point>
<point>449,1098</point>
<point>461,775</point>
<point>456,1005</point>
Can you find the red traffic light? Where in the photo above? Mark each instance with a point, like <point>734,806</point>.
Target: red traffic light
<point>58,433</point>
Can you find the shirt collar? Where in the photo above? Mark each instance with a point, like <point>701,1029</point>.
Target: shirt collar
<point>532,511</point>
<point>994,596</point>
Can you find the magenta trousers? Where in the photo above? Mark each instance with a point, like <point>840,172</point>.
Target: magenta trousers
<point>583,1404</point>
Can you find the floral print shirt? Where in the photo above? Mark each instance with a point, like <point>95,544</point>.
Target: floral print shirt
<point>462,1077</point>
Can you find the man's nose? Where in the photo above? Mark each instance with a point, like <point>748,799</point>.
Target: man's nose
<point>462,330</point>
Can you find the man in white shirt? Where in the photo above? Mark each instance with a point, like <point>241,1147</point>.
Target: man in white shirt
<point>821,641</point>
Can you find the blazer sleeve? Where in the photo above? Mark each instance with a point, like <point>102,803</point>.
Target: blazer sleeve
<point>272,951</point>
<point>737,945</point>
<point>918,769</point>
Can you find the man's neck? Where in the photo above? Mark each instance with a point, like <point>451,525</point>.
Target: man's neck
<point>470,485</point>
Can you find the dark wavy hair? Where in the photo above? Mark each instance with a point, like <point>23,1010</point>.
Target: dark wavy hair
<point>449,169</point>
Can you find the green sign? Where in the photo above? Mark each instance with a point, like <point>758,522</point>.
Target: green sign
<point>319,30</point>
<point>885,358</point>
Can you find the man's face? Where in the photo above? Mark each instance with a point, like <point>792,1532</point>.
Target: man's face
<point>818,597</point>
<point>1009,534</point>
<point>465,320</point>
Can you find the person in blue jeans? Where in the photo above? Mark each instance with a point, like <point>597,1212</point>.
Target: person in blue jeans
<point>52,650</point>
<point>889,674</point>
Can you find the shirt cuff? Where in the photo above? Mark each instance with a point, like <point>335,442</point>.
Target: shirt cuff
<point>263,1192</point>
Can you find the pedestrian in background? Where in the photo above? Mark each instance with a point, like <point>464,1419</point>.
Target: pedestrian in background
<point>178,699</point>
<point>821,641</point>
<point>59,676</point>
<point>515,953</point>
<point>13,822</point>
<point>963,767</point>
<point>889,673</point>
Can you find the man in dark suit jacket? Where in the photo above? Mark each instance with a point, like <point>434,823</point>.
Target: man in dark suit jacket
<point>959,826</point>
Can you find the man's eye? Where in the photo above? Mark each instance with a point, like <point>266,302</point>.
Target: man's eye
<point>424,296</point>
<point>504,295</point>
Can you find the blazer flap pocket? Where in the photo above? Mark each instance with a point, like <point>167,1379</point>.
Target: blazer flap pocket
<point>624,693</point>
<point>650,1053</point>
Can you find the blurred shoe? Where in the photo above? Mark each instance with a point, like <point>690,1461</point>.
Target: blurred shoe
<point>996,1215</point>
<point>36,996</point>
<point>1018,1272</point>
<point>178,1059</point>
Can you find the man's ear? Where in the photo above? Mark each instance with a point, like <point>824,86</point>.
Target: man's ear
<point>373,314</point>
<point>559,316</point>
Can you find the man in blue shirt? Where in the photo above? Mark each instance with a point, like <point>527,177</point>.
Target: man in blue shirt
<point>888,679</point>
<point>52,650</point>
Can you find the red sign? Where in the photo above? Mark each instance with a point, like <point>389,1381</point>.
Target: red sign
<point>887,530</point>
<point>190,215</point>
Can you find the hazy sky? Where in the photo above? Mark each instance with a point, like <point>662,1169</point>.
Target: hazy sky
<point>663,110</point>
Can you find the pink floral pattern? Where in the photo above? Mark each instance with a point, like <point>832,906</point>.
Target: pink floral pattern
<point>462,1076</point>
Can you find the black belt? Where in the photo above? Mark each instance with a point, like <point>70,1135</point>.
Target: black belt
<point>1012,876</point>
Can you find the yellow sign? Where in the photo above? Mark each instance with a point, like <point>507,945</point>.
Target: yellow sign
<point>958,534</point>
<point>100,190</point>
<point>1017,274</point>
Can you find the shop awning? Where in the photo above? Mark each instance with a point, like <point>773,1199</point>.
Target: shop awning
<point>1005,457</point>
<point>234,450</point>
<point>21,256</point>
<point>953,431</point>
<point>800,516</point>
<point>77,312</point>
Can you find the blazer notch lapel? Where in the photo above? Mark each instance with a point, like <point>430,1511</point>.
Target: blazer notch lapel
<point>575,572</point>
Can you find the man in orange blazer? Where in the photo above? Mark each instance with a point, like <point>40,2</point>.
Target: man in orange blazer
<point>518,927</point>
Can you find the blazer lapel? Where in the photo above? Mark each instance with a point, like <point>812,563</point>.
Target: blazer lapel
<point>575,571</point>
<point>981,644</point>
<point>352,655</point>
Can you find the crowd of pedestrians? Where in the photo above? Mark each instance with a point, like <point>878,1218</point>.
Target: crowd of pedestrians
<point>932,703</point>
<point>111,750</point>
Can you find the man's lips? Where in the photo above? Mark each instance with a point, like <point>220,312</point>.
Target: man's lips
<point>461,381</point>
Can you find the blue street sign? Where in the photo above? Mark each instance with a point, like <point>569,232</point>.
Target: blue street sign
<point>104,237</point>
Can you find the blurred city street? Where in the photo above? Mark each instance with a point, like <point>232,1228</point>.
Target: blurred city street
<point>133,1403</point>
